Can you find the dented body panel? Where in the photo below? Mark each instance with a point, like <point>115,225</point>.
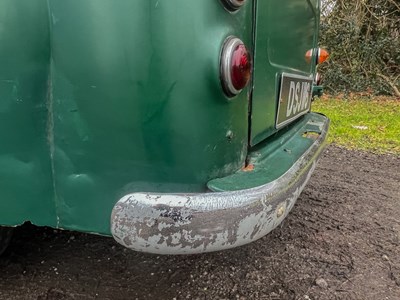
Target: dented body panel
<point>100,99</point>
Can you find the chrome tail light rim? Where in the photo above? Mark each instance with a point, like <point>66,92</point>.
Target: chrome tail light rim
<point>228,49</point>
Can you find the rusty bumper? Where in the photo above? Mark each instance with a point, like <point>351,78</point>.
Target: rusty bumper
<point>197,223</point>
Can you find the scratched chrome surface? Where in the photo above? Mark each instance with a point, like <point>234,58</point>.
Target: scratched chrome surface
<point>197,223</point>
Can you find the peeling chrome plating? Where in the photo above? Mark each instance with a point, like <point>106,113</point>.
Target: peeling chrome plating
<point>197,223</point>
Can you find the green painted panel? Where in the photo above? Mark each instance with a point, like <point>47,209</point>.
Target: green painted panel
<point>100,98</point>
<point>124,96</point>
<point>26,187</point>
<point>285,31</point>
<point>275,156</point>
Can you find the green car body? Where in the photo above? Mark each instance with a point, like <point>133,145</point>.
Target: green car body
<point>100,99</point>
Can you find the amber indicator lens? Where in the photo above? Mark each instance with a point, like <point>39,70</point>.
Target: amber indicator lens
<point>240,67</point>
<point>322,55</point>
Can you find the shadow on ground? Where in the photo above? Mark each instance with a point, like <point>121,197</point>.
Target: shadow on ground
<point>341,241</point>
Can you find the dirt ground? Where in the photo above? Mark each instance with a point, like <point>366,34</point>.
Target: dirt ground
<point>341,241</point>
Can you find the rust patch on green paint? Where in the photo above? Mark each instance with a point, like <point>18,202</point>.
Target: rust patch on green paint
<point>248,168</point>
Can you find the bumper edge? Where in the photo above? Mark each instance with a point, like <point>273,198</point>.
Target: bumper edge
<point>198,223</point>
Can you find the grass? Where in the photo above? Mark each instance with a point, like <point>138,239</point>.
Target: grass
<point>365,124</point>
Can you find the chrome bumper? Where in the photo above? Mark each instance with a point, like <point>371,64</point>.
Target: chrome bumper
<point>197,223</point>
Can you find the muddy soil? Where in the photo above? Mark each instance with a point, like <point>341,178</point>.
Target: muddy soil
<point>341,241</point>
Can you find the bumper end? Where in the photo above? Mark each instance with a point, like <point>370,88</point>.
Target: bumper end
<point>198,223</point>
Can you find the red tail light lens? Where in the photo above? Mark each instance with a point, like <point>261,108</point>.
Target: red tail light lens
<point>309,55</point>
<point>236,66</point>
<point>233,5</point>
<point>240,67</point>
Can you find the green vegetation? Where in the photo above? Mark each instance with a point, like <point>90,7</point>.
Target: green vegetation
<point>365,124</point>
<point>363,37</point>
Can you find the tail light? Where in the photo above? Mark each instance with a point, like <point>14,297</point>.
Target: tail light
<point>233,5</point>
<point>236,66</point>
<point>322,55</point>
